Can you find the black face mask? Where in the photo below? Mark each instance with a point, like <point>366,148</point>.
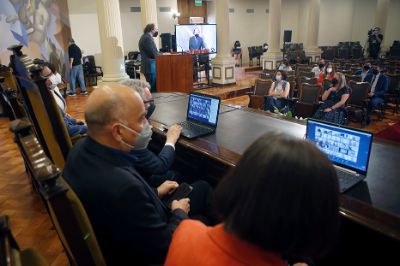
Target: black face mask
<point>321,65</point>
<point>366,68</point>
<point>155,34</point>
<point>334,81</point>
<point>196,35</point>
<point>150,110</point>
<point>375,71</point>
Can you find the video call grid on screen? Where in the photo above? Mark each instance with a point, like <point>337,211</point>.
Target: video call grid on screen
<point>203,109</point>
<point>343,146</point>
<point>207,31</point>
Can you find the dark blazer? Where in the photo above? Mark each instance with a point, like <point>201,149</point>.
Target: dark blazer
<point>148,52</point>
<point>130,221</point>
<point>147,163</point>
<point>382,86</point>
<point>368,77</point>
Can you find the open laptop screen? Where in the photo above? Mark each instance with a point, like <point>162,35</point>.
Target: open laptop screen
<point>343,146</point>
<point>203,109</point>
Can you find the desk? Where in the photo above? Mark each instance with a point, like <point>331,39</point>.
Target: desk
<point>374,203</point>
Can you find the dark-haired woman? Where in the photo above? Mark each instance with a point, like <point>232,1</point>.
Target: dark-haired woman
<point>277,93</point>
<point>280,202</point>
<point>332,110</point>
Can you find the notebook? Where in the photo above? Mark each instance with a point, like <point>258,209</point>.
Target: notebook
<point>202,115</point>
<point>348,149</point>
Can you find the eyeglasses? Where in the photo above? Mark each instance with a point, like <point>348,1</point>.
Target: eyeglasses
<point>148,101</point>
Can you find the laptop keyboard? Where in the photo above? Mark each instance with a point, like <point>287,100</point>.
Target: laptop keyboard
<point>346,179</point>
<point>188,126</point>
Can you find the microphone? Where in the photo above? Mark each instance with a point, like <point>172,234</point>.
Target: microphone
<point>180,47</point>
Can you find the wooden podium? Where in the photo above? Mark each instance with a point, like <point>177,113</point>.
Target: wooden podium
<point>174,73</point>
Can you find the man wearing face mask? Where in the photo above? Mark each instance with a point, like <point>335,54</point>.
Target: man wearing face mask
<point>148,52</point>
<point>196,42</point>
<point>131,222</point>
<point>366,73</point>
<point>154,168</point>
<point>74,126</point>
<point>129,219</point>
<point>379,86</point>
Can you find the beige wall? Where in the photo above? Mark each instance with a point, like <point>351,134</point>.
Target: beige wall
<point>340,20</point>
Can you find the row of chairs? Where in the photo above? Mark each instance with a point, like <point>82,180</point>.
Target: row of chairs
<point>44,144</point>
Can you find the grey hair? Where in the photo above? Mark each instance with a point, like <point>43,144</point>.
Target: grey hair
<point>136,84</point>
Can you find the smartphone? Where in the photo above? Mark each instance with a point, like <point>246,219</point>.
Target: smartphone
<point>181,192</point>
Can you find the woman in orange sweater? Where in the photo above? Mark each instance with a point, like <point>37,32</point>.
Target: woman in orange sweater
<point>328,74</point>
<point>278,206</point>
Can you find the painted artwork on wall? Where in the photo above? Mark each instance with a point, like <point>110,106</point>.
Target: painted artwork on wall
<point>42,26</point>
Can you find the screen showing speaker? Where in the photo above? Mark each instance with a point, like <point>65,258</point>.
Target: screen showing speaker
<point>196,38</point>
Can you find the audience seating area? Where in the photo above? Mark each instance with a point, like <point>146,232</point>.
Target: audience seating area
<point>306,94</point>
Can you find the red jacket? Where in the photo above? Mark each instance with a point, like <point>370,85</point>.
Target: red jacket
<point>193,243</point>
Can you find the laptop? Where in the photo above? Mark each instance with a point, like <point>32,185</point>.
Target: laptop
<point>348,149</point>
<point>202,115</point>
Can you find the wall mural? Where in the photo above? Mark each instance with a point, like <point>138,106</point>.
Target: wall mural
<point>40,25</point>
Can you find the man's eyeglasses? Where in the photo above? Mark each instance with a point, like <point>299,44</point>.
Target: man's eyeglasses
<point>149,101</point>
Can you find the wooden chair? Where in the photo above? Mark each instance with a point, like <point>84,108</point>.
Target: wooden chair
<point>355,78</point>
<point>65,209</point>
<point>11,254</point>
<point>307,74</point>
<point>358,101</point>
<point>393,93</point>
<point>308,100</point>
<point>261,88</point>
<point>91,71</point>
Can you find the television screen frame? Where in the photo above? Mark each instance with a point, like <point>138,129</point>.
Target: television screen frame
<point>189,33</point>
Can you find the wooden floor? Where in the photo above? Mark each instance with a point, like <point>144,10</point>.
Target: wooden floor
<point>30,223</point>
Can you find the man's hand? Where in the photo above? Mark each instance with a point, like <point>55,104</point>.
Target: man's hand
<point>173,134</point>
<point>183,204</point>
<point>370,94</point>
<point>167,188</point>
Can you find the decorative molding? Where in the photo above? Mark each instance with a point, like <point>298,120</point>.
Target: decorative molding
<point>217,72</point>
<point>229,72</point>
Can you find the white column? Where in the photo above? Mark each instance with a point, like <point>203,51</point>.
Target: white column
<point>111,41</point>
<point>381,14</point>
<point>223,65</point>
<point>274,54</point>
<point>311,47</point>
<point>149,15</point>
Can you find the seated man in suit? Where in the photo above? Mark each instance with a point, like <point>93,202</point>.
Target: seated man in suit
<point>379,86</point>
<point>365,73</point>
<point>131,222</point>
<point>155,168</point>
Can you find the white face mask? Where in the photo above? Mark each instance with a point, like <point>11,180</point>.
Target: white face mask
<point>143,138</point>
<point>329,70</point>
<point>53,81</point>
<point>278,78</point>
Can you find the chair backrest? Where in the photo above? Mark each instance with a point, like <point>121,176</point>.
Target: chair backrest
<point>394,80</point>
<point>261,87</point>
<point>356,78</point>
<point>309,80</point>
<point>306,74</point>
<point>42,123</point>
<point>359,93</point>
<point>10,253</point>
<point>43,110</point>
<point>266,76</point>
<point>67,212</point>
<point>309,93</point>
